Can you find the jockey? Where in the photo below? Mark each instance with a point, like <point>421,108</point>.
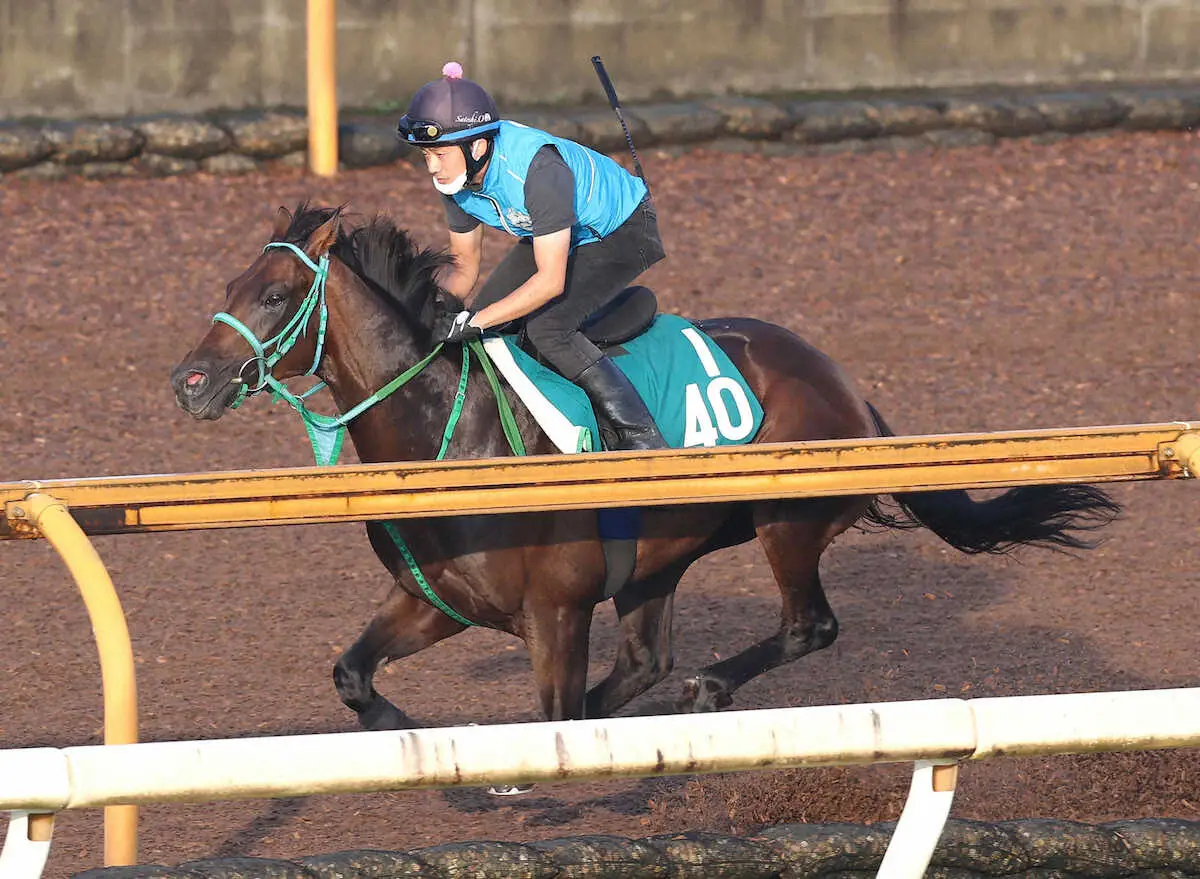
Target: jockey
<point>585,226</point>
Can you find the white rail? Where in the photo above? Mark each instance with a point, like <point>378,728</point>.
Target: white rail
<point>937,731</point>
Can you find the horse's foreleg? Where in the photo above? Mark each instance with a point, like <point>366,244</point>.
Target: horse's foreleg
<point>557,638</point>
<point>793,534</point>
<point>644,655</point>
<point>403,626</point>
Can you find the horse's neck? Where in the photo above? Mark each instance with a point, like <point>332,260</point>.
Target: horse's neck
<point>368,345</point>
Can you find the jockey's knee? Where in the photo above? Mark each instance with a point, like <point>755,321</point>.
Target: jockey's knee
<point>568,351</point>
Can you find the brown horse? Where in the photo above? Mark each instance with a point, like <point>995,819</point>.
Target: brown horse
<point>539,576</point>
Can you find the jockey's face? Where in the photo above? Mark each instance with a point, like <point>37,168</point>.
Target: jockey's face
<point>448,166</point>
<point>445,163</point>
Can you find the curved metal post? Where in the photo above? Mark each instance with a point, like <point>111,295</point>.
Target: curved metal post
<point>26,845</point>
<point>1187,451</point>
<point>51,518</point>
<point>921,823</point>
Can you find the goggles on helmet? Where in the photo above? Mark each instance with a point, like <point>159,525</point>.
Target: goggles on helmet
<point>418,130</point>
<point>426,132</point>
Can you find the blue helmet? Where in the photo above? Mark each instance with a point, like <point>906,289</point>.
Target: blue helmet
<point>450,110</point>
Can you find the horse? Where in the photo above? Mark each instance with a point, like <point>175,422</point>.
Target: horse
<point>539,576</point>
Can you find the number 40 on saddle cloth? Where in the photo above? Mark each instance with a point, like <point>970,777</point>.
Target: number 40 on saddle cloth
<point>693,390</point>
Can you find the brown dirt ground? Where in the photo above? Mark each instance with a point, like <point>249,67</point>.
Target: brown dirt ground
<point>1021,286</point>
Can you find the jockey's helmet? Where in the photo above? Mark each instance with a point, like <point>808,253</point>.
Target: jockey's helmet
<point>450,110</point>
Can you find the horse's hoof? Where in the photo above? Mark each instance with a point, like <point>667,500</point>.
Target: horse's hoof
<point>509,790</point>
<point>702,695</point>
<point>383,715</point>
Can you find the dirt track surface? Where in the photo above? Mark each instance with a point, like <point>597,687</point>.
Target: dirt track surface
<point>1022,286</point>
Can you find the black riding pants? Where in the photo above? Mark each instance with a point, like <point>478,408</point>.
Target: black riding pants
<point>596,273</point>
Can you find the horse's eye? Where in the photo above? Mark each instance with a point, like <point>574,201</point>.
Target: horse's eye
<point>274,300</point>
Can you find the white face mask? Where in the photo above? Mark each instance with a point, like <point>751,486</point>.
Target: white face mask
<point>453,186</point>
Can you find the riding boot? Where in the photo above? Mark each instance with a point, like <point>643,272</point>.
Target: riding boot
<point>625,422</point>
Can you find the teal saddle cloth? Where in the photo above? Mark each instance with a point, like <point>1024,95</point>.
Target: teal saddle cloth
<point>691,387</point>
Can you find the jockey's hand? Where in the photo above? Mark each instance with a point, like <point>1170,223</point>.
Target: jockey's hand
<point>456,328</point>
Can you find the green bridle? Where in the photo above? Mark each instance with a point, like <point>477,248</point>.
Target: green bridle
<point>283,341</point>
<point>327,433</point>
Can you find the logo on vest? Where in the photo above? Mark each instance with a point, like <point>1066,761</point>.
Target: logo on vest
<point>518,219</point>
<point>475,118</point>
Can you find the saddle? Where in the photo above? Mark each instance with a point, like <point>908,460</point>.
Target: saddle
<point>628,315</point>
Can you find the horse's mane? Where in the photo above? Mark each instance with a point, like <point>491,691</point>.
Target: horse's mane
<point>386,258</point>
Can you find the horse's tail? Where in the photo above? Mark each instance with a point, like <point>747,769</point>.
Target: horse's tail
<point>1051,516</point>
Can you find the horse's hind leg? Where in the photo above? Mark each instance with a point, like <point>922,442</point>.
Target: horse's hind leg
<point>793,535</point>
<point>401,627</point>
<point>644,654</point>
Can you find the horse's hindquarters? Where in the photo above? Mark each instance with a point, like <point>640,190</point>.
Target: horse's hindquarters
<point>805,395</point>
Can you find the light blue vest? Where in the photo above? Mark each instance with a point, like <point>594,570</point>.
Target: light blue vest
<point>605,193</point>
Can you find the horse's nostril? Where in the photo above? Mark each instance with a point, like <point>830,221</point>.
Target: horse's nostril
<point>195,382</point>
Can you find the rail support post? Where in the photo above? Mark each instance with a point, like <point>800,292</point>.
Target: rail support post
<point>922,821</point>
<point>51,517</point>
<point>26,845</point>
<point>322,88</point>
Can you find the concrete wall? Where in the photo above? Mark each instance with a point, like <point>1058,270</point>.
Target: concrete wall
<point>69,58</point>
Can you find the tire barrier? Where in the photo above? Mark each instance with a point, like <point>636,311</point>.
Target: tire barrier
<point>1041,848</point>
<point>245,141</point>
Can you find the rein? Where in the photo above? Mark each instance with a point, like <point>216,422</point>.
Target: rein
<point>327,433</point>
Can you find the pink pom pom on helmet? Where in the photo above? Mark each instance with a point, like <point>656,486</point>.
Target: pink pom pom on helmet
<point>452,70</point>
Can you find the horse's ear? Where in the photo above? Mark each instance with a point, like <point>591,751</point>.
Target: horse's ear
<point>283,219</point>
<point>322,239</point>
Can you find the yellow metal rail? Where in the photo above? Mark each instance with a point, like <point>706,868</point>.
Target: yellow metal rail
<point>385,491</point>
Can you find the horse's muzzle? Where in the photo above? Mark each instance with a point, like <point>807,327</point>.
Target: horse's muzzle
<point>201,391</point>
